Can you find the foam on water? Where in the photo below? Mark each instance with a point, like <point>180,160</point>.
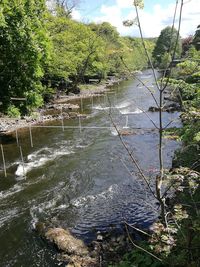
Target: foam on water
<point>101,107</point>
<point>128,111</point>
<point>114,132</point>
<point>40,158</point>
<point>146,76</point>
<point>123,105</point>
<point>13,190</point>
<point>8,215</point>
<point>56,201</point>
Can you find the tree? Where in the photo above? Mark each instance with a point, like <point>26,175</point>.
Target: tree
<point>62,7</point>
<point>24,49</point>
<point>77,50</point>
<point>166,43</point>
<point>186,44</point>
<point>196,40</point>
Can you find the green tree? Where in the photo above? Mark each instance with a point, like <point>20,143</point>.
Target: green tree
<point>166,44</point>
<point>113,46</point>
<point>24,48</point>
<point>78,50</point>
<point>196,40</point>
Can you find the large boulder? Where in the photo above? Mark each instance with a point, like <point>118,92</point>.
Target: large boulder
<point>72,250</point>
<point>66,242</point>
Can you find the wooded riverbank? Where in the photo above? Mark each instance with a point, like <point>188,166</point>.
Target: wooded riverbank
<point>60,106</point>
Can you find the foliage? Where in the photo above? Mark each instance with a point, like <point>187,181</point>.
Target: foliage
<point>76,49</point>
<point>138,258</point>
<point>93,50</point>
<point>196,40</point>
<point>24,47</point>
<point>138,3</point>
<point>166,43</point>
<point>41,51</point>
<point>193,53</point>
<point>165,60</point>
<point>188,67</point>
<point>177,245</point>
<point>13,111</point>
<point>186,45</point>
<point>34,100</point>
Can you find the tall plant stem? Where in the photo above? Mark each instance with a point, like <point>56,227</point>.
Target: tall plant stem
<point>143,43</point>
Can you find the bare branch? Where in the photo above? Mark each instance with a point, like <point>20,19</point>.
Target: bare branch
<point>137,229</point>
<point>140,248</point>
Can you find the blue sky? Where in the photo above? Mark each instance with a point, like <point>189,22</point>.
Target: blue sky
<point>156,15</point>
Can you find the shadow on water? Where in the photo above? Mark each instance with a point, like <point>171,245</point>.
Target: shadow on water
<point>81,178</point>
<point>7,139</point>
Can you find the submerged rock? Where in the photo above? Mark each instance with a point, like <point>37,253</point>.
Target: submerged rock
<point>78,261</point>
<point>172,107</point>
<point>64,240</point>
<point>73,250</point>
<point>125,132</point>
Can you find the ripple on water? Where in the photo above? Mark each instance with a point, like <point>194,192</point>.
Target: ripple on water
<point>114,205</point>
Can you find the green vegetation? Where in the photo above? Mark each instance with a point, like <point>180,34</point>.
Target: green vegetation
<point>166,43</point>
<point>24,49</point>
<point>196,40</point>
<point>43,52</point>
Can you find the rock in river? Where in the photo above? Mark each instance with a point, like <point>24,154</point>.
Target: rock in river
<point>66,242</point>
<point>74,251</point>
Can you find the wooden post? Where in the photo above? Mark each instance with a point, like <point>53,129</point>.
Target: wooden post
<point>126,126</point>
<point>80,124</point>
<point>17,137</point>
<point>81,104</point>
<point>22,158</point>
<point>62,120</point>
<point>4,163</point>
<point>92,101</point>
<point>31,138</point>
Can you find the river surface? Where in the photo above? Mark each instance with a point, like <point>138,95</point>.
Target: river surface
<point>81,178</point>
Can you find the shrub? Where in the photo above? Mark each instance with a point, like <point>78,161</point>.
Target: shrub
<point>13,111</point>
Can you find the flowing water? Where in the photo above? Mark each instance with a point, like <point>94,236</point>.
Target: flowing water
<point>81,178</point>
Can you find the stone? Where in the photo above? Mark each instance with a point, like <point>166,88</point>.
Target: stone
<point>78,261</point>
<point>66,242</point>
<point>153,109</point>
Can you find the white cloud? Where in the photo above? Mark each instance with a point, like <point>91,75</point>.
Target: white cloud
<point>152,22</point>
<point>76,15</point>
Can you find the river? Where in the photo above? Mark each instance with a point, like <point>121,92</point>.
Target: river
<point>81,178</point>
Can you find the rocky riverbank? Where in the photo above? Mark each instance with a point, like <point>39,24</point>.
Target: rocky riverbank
<point>59,108</point>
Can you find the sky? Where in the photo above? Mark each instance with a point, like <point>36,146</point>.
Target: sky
<point>156,15</point>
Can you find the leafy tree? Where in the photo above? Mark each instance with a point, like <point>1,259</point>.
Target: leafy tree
<point>77,50</point>
<point>196,40</point>
<point>112,44</point>
<point>24,48</point>
<point>186,44</point>
<point>166,44</point>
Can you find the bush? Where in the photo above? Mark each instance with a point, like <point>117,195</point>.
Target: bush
<point>34,100</point>
<point>13,112</point>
